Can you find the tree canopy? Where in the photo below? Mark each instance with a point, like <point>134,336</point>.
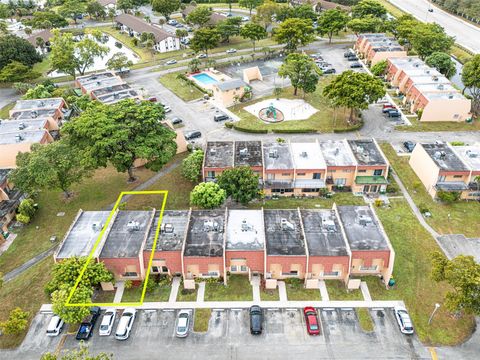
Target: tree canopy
<point>72,9</point>
<point>294,32</point>
<point>254,32</point>
<point>82,353</point>
<point>331,21</point>
<point>366,24</point>
<point>121,133</point>
<point>16,323</point>
<point>302,72</point>
<point>118,61</point>
<point>205,39</point>
<point>199,16</point>
<point>471,80</point>
<point>443,63</point>
<point>192,166</point>
<point>17,72</point>
<point>429,38</point>
<point>229,27</point>
<point>250,4</point>
<point>166,7</point>
<point>46,20</point>
<point>14,48</point>
<point>240,183</point>
<point>369,7</point>
<point>207,195</point>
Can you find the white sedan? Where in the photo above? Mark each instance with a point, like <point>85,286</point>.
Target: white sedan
<point>106,325</point>
<point>231,51</point>
<point>183,323</point>
<point>125,324</point>
<point>403,320</point>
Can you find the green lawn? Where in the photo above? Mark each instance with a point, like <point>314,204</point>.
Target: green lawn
<point>365,319</point>
<point>321,121</point>
<point>201,319</point>
<point>103,297</point>
<point>308,203</point>
<point>6,109</point>
<point>238,288</point>
<point>439,126</point>
<point>134,294</point>
<point>25,291</point>
<point>269,295</point>
<point>297,292</point>
<point>337,291</point>
<point>183,89</point>
<point>413,246</point>
<point>44,66</point>
<point>463,215</point>
<point>186,294</point>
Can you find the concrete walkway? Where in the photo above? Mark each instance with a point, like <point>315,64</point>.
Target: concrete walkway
<point>365,291</point>
<point>256,288</point>
<point>323,290</point>
<point>174,291</point>
<point>201,292</point>
<point>27,265</point>
<point>119,292</point>
<point>282,291</point>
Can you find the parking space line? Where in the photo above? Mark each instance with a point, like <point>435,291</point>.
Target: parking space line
<point>433,353</point>
<point>60,344</point>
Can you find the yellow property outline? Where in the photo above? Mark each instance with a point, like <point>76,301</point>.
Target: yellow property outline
<point>90,256</point>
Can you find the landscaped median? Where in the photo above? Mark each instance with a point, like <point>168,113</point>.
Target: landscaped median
<point>184,89</point>
<point>201,319</point>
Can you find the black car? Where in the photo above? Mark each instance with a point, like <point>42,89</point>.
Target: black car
<point>192,135</point>
<point>329,71</point>
<point>394,113</point>
<point>409,145</point>
<point>85,330</point>
<point>352,58</point>
<point>355,65</point>
<point>220,117</point>
<point>176,121</point>
<point>256,320</point>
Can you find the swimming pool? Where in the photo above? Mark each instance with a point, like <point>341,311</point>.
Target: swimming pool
<point>205,79</point>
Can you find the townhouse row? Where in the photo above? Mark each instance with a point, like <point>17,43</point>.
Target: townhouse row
<point>425,90</point>
<point>443,167</point>
<point>308,244</point>
<point>303,169</point>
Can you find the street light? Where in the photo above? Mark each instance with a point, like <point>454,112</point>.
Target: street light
<point>437,306</point>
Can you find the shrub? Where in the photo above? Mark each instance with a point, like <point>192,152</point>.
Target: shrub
<point>151,285</point>
<point>16,323</point>
<point>24,219</point>
<point>457,143</point>
<point>378,202</point>
<point>293,131</point>
<point>423,208</point>
<point>207,195</point>
<point>448,196</point>
<point>249,130</point>
<point>229,124</point>
<point>128,284</point>
<point>27,208</point>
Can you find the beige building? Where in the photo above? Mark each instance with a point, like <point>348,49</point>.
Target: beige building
<point>228,93</point>
<point>378,47</point>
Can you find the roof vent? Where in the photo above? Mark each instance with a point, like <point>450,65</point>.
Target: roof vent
<point>273,153</point>
<point>21,126</point>
<point>287,225</point>
<point>245,226</point>
<point>365,220</point>
<point>329,225</point>
<point>243,152</point>
<point>34,114</point>
<point>304,154</point>
<point>435,78</point>
<point>213,151</point>
<point>18,137</point>
<point>116,96</point>
<point>99,83</point>
<point>443,154</point>
<point>440,87</point>
<point>42,103</point>
<point>450,96</point>
<point>133,226</point>
<point>97,226</point>
<point>210,225</point>
<point>472,154</point>
<point>337,151</point>
<point>167,228</point>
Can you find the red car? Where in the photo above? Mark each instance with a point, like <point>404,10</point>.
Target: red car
<point>311,319</point>
<point>152,99</point>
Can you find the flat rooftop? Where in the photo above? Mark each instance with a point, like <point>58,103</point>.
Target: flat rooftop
<point>434,87</point>
<point>127,233</point>
<point>33,114</point>
<point>83,234</point>
<point>283,233</point>
<point>93,78</point>
<point>4,175</point>
<point>366,152</point>
<point>111,89</point>
<point>248,153</point>
<point>111,98</point>
<point>21,136</point>
<point>323,233</point>
<point>277,156</point>
<point>444,156</point>
<point>245,230</point>
<point>98,84</point>
<point>307,156</point>
<point>219,154</point>
<point>470,155</point>
<point>406,62</point>
<point>362,229</point>
<point>205,233</point>
<point>447,95</point>
<point>337,153</point>
<point>172,231</point>
<point>51,103</point>
<point>423,70</point>
<point>7,126</point>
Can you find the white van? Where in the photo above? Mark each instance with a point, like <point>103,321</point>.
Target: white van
<point>55,326</point>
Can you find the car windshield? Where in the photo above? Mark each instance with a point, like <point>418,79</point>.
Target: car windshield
<point>313,327</point>
<point>181,329</point>
<point>104,327</point>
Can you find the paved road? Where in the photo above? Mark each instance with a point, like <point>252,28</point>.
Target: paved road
<point>466,34</point>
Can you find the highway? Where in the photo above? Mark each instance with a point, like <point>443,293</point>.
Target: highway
<point>466,34</point>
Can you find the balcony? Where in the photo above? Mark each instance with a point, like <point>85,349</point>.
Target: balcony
<point>309,184</point>
<point>371,180</point>
<point>279,184</point>
<point>451,186</point>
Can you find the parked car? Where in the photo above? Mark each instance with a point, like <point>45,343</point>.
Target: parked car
<point>125,324</point>
<point>179,26</point>
<point>220,117</point>
<point>355,65</point>
<point>409,145</point>
<point>329,71</point>
<point>107,322</point>
<point>430,10</point>
<point>183,323</point>
<point>201,56</point>
<point>55,326</point>
<point>171,62</point>
<point>189,28</point>
<point>387,107</point>
<point>256,320</point>
<point>394,113</point>
<point>176,120</point>
<point>311,320</point>
<point>194,134</point>
<point>152,99</point>
<point>85,330</point>
<point>352,58</point>
<point>348,53</point>
<point>245,18</point>
<point>172,22</point>
<point>403,320</point>
<point>231,51</point>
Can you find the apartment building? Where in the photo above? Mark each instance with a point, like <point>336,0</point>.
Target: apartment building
<point>309,169</point>
<point>219,156</point>
<point>378,47</point>
<point>278,169</point>
<point>341,165</point>
<point>54,110</point>
<point>442,167</point>
<point>426,91</point>
<point>10,198</point>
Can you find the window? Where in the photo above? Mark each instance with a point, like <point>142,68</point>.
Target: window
<point>212,273</point>
<point>378,172</point>
<point>340,181</point>
<point>347,170</point>
<point>243,268</point>
<point>300,174</point>
<point>317,176</point>
<point>362,171</point>
<point>457,176</point>
<point>311,190</point>
<point>211,174</point>
<point>373,188</point>
<point>233,268</point>
<point>286,174</point>
<point>155,269</point>
<point>164,269</point>
<point>130,273</point>
<point>332,171</point>
<point>441,178</point>
<point>368,268</point>
<point>270,176</point>
<point>331,273</point>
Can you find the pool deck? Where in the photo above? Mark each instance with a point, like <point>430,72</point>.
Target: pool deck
<point>214,74</point>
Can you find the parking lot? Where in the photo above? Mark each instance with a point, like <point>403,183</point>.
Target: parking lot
<point>228,336</point>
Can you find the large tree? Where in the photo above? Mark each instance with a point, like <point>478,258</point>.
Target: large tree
<point>166,7</point>
<point>229,27</point>
<point>125,5</point>
<point>471,80</point>
<point>443,63</point>
<point>121,133</point>
<point>95,10</point>
<point>71,57</point>
<point>369,7</point>
<point>240,183</point>
<point>331,21</point>
<point>118,62</point>
<point>250,4</point>
<point>204,40</point>
<point>52,166</point>
<point>463,275</point>
<point>46,20</point>
<point>72,9</point>
<point>16,323</point>
<point>253,32</point>
<point>14,48</point>
<point>71,314</point>
<point>302,72</point>
<point>429,38</point>
<point>192,166</point>
<point>295,32</point>
<point>199,16</point>
<point>354,90</point>
<point>17,72</point>
<point>207,195</point>
<point>365,24</point>
<point>265,13</point>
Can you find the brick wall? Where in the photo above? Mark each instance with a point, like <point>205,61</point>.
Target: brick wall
<point>254,259</point>
<point>368,256</point>
<point>203,263</point>
<point>118,266</point>
<point>328,262</point>
<point>286,262</point>
<point>173,259</point>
